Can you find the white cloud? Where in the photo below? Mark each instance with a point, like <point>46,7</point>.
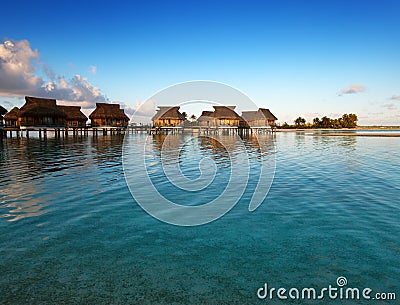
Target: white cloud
<point>353,89</point>
<point>93,69</point>
<point>20,67</point>
<point>395,97</point>
<point>390,106</point>
<point>17,68</point>
<point>78,90</point>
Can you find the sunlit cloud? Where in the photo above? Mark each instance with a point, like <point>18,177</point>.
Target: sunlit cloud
<point>20,70</point>
<point>353,89</point>
<point>17,68</point>
<point>395,97</point>
<point>146,109</point>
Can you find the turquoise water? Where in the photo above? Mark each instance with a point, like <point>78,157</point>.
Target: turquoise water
<point>70,232</point>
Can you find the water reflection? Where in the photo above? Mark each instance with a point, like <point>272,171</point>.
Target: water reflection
<point>106,150</point>
<point>214,146</point>
<point>348,142</point>
<point>168,146</point>
<point>326,142</point>
<point>19,205</point>
<point>320,219</point>
<point>174,148</point>
<point>344,146</point>
<point>180,162</point>
<point>35,172</point>
<point>261,145</point>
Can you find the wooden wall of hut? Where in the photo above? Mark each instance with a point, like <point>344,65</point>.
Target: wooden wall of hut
<point>42,121</point>
<point>168,122</point>
<point>107,114</point>
<point>75,123</point>
<point>229,122</point>
<point>258,123</point>
<point>109,122</point>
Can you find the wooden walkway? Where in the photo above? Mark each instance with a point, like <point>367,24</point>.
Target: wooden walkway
<point>60,131</point>
<point>225,130</point>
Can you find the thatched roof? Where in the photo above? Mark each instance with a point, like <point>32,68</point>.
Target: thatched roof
<point>260,114</point>
<point>3,110</point>
<point>205,116</point>
<point>225,112</point>
<point>168,113</point>
<point>268,114</point>
<point>39,107</point>
<point>73,113</point>
<point>252,115</point>
<point>13,114</point>
<point>108,111</point>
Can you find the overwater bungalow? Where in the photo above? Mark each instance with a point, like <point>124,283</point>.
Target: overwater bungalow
<point>168,116</point>
<point>260,118</point>
<point>12,118</point>
<point>74,116</point>
<point>206,119</point>
<point>221,116</point>
<point>41,112</point>
<point>107,114</point>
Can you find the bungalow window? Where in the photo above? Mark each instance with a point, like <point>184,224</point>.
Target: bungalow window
<point>47,120</point>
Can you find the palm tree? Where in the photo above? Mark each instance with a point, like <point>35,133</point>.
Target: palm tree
<point>299,121</point>
<point>193,118</point>
<point>316,123</point>
<point>326,122</point>
<point>349,120</point>
<point>184,115</point>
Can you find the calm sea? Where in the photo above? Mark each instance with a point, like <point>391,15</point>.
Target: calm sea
<point>71,233</point>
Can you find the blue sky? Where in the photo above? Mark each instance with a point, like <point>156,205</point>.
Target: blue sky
<point>298,58</point>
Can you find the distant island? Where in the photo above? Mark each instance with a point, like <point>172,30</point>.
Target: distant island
<point>346,121</point>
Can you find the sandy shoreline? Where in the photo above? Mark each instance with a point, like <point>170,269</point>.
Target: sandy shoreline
<point>357,132</point>
<point>361,128</point>
<point>344,134</point>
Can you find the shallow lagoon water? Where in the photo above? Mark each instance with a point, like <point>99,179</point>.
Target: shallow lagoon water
<point>71,233</point>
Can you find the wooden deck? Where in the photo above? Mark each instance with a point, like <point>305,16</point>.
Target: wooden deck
<point>226,130</point>
<point>61,131</point>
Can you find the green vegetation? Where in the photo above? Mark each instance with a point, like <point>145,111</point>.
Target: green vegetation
<point>189,121</point>
<point>193,118</point>
<point>346,121</point>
